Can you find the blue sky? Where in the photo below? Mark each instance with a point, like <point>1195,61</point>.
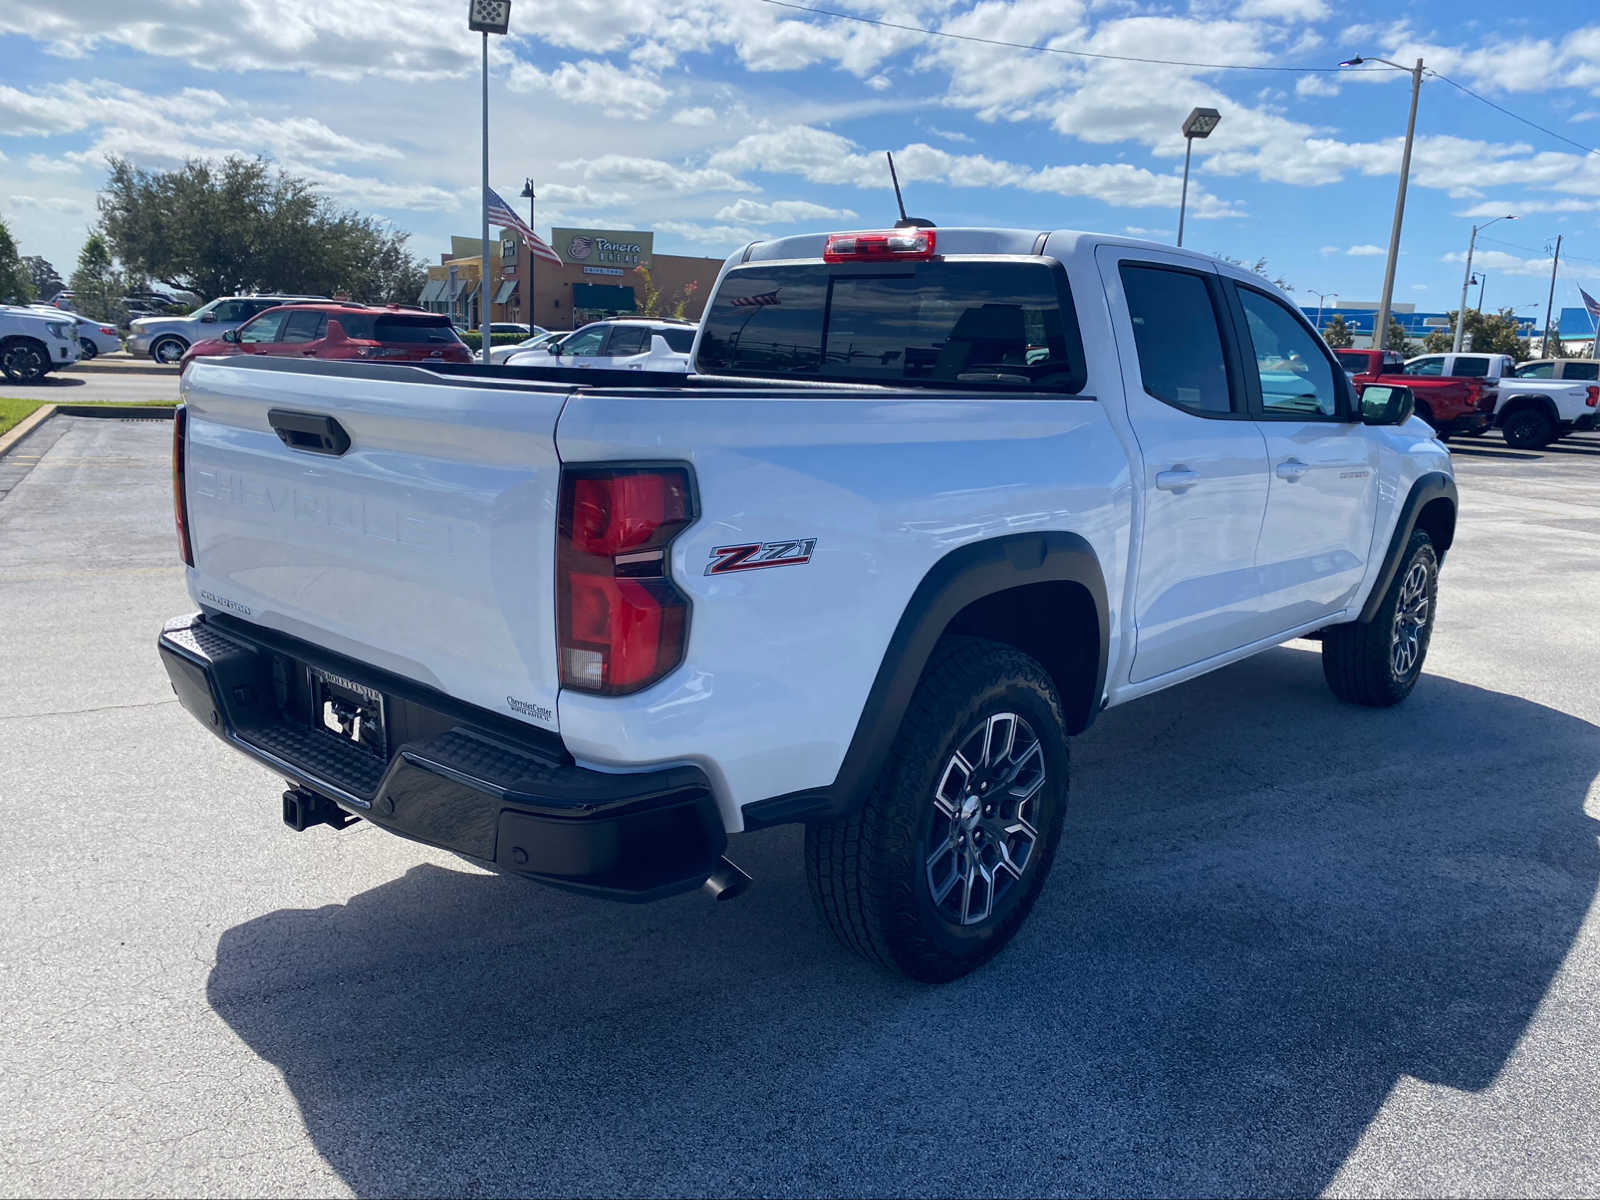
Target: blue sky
<point>715,121</point>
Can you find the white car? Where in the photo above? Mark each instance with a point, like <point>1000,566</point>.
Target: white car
<point>34,343</point>
<point>94,337</point>
<point>618,344</point>
<point>500,354</point>
<point>930,501</point>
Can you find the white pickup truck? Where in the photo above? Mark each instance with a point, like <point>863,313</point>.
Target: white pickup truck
<point>1530,412</point>
<point>928,503</point>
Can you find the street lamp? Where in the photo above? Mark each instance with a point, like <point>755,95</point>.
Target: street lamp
<point>528,195</point>
<point>1467,281</point>
<point>1321,296</point>
<point>486,17</point>
<point>1380,330</point>
<point>1199,124</point>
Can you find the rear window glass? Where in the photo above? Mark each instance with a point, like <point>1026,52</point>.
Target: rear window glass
<point>977,324</point>
<point>398,330</point>
<point>679,340</point>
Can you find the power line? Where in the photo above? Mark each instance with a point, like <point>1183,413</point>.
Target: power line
<point>967,37</point>
<point>1514,116</point>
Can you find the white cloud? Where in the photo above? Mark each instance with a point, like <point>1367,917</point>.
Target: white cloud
<point>43,164</point>
<point>1366,251</point>
<point>1316,85</point>
<point>1283,10</point>
<point>1501,262</point>
<point>695,116</point>
<point>779,212</point>
<point>1327,250</point>
<point>654,175</point>
<point>597,86</point>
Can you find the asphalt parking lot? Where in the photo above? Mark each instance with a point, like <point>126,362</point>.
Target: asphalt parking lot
<point>1289,946</point>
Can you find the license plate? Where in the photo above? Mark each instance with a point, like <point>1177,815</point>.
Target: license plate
<point>348,710</point>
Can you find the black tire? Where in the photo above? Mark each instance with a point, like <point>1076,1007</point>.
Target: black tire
<point>869,872</point>
<point>168,349</point>
<point>86,349</point>
<point>1365,662</point>
<point>24,360</point>
<point>1528,429</point>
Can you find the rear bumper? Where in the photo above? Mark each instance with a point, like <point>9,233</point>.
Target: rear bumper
<point>1473,422</point>
<point>503,797</point>
<point>1587,421</point>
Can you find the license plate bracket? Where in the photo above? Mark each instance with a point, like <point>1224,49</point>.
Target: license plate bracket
<point>350,711</point>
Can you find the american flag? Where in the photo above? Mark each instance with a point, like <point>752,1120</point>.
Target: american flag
<point>1590,303</point>
<point>502,214</point>
<point>760,301</point>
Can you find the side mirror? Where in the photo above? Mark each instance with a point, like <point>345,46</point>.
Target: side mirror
<point>1385,405</point>
<point>231,335</point>
<point>208,318</point>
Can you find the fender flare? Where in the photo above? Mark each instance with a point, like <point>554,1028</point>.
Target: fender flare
<point>964,575</point>
<point>1526,400</point>
<point>1429,487</point>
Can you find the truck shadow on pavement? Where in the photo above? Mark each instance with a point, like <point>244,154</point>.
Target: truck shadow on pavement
<point>1268,909</point>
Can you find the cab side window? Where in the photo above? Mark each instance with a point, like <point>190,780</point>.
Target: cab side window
<point>1433,365</point>
<point>1476,366</point>
<point>585,343</point>
<point>1537,371</point>
<point>1296,376</point>
<point>1179,339</point>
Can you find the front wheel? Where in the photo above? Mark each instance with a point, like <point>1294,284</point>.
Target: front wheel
<point>24,361</point>
<point>1377,663</point>
<point>168,350</point>
<point>943,861</point>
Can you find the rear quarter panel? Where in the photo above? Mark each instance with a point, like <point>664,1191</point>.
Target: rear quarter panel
<point>780,660</point>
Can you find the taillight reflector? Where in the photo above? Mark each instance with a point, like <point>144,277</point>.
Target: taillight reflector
<point>622,623</point>
<point>878,247</point>
<point>180,500</point>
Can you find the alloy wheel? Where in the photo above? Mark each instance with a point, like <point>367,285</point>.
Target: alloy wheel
<point>1412,611</point>
<point>168,351</point>
<point>24,363</point>
<point>984,828</point>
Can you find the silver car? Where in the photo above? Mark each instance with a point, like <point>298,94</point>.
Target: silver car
<point>94,337</point>
<point>166,338</point>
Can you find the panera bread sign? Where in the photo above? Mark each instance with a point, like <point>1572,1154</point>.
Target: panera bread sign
<point>604,247</point>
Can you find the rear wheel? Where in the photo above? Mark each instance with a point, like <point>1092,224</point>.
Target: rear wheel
<point>1529,429</point>
<point>939,867</point>
<point>87,349</point>
<point>24,360</point>
<point>1377,663</point>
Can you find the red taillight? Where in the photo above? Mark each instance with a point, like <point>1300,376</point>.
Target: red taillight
<point>878,247</point>
<point>180,501</point>
<point>622,622</point>
<point>1593,396</point>
<point>108,331</point>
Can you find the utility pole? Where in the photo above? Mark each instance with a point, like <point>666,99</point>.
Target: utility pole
<point>527,190</point>
<point>1380,330</point>
<point>1551,300</point>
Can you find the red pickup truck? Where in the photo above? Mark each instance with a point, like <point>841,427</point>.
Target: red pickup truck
<point>1451,404</point>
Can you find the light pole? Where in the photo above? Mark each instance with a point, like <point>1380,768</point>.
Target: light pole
<point>1321,296</point>
<point>486,17</point>
<point>1380,330</point>
<point>1466,281</point>
<point>528,195</point>
<point>1198,124</point>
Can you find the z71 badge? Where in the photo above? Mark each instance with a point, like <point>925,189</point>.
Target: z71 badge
<point>752,556</point>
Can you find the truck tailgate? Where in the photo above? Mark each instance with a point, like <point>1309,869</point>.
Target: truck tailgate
<point>427,548</point>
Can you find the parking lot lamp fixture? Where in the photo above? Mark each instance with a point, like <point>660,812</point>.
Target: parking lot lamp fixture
<point>1380,329</point>
<point>486,17</point>
<point>1199,124</point>
<point>528,195</point>
<point>1466,281</point>
<point>1321,296</point>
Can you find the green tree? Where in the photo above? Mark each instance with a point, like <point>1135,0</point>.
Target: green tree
<point>1337,333</point>
<point>42,274</point>
<point>98,287</point>
<point>1491,333</point>
<point>1260,268</point>
<point>243,225</point>
<point>15,285</point>
<point>1398,341</point>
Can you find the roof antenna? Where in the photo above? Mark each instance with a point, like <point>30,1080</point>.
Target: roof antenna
<point>904,222</point>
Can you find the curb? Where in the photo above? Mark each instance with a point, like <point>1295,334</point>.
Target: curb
<point>153,412</point>
<point>118,368</point>
<point>25,426</point>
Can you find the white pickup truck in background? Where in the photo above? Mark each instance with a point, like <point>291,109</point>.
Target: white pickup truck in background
<point>928,503</point>
<point>1530,412</point>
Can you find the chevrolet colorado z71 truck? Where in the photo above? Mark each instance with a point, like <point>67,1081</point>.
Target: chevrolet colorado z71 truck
<point>929,501</point>
<point>1450,406</point>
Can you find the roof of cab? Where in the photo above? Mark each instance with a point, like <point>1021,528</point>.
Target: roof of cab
<point>1057,243</point>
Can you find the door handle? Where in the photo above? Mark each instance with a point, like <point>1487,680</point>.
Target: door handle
<point>1180,479</point>
<point>1291,469</point>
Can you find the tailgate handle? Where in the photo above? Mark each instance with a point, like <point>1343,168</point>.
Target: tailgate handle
<point>311,432</point>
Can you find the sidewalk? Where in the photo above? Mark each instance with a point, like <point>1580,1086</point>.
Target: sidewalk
<point>121,362</point>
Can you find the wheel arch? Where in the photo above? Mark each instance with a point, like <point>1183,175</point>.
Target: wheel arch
<point>1429,506</point>
<point>1517,402</point>
<point>1010,589</point>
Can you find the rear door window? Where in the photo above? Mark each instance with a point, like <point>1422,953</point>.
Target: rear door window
<point>304,325</point>
<point>626,340</point>
<point>967,323</point>
<point>1581,370</point>
<point>1179,339</point>
<point>1473,365</point>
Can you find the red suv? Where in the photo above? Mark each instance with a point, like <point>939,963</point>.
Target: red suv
<point>340,329</point>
